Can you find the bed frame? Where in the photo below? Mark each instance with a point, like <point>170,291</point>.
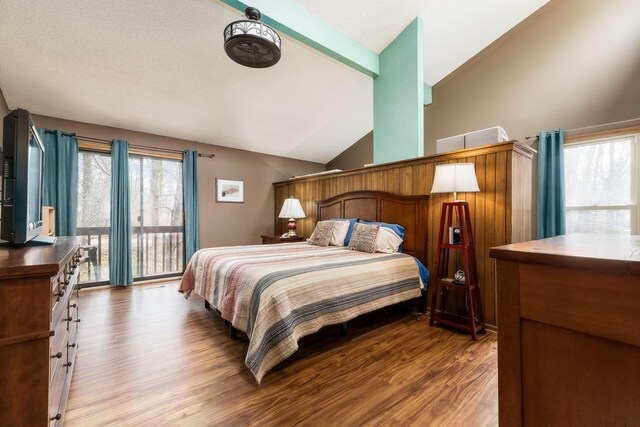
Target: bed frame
<point>408,211</point>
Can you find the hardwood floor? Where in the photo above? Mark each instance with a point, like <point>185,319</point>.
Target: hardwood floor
<point>147,356</point>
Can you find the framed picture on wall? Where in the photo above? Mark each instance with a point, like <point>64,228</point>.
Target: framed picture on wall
<point>229,191</point>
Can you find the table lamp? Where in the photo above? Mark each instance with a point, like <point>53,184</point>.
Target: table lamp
<point>455,178</point>
<point>292,209</point>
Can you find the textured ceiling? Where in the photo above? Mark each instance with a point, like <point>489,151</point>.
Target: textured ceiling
<point>158,66</point>
<point>454,30</point>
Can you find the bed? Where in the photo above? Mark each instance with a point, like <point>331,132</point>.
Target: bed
<point>276,294</point>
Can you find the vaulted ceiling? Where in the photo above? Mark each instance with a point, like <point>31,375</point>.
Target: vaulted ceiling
<point>159,67</point>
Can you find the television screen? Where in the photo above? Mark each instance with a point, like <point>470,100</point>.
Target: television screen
<point>22,182</point>
<point>34,179</point>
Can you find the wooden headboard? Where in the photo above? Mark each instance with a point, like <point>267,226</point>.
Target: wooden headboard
<point>408,211</point>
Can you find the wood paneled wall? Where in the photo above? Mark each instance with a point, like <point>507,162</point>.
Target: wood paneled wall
<point>501,211</point>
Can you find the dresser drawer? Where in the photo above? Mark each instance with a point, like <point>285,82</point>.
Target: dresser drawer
<point>57,284</point>
<point>74,315</point>
<point>58,347</point>
<point>55,393</point>
<point>73,300</point>
<point>72,340</point>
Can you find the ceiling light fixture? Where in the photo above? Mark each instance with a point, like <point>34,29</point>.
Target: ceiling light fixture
<point>252,43</point>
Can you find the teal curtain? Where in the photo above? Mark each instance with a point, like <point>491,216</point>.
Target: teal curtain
<point>190,202</point>
<point>551,201</point>
<point>61,179</point>
<point>120,263</point>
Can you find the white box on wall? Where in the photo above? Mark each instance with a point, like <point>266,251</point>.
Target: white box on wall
<point>450,144</point>
<point>485,137</point>
<point>476,138</point>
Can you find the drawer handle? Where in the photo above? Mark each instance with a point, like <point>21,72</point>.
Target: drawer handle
<point>60,294</point>
<point>74,305</point>
<point>57,356</point>
<point>68,319</point>
<point>68,364</point>
<point>77,321</point>
<point>71,345</point>
<point>56,418</point>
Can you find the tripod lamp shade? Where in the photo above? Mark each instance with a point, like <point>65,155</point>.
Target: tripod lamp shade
<point>455,178</point>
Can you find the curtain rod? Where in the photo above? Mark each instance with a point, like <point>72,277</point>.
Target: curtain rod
<point>166,150</point>
<point>592,127</point>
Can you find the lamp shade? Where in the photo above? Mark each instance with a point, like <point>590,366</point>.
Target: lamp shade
<point>292,209</point>
<point>455,178</point>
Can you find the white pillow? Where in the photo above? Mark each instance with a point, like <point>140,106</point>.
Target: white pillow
<point>387,241</point>
<point>340,230</point>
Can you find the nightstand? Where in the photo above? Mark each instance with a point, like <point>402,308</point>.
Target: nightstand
<point>270,240</point>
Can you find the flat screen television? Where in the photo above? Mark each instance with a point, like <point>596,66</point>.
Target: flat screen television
<point>22,183</point>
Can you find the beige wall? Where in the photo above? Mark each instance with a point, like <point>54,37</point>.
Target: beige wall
<point>4,110</point>
<point>572,64</point>
<point>359,152</point>
<point>220,223</point>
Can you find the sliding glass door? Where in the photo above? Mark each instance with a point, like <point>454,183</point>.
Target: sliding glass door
<point>156,216</point>
<point>94,214</point>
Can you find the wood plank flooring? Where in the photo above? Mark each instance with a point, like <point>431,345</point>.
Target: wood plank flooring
<point>147,356</point>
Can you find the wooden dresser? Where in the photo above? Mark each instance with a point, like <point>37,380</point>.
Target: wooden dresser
<point>38,331</point>
<point>569,340</point>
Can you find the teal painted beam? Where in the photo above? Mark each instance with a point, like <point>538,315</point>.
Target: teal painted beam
<point>296,22</point>
<point>428,94</point>
<point>399,98</point>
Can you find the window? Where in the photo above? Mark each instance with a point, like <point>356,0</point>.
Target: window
<point>601,186</point>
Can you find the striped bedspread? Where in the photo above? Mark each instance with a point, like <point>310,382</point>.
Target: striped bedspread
<point>277,294</point>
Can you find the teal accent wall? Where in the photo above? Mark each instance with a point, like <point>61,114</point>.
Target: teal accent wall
<point>296,22</point>
<point>399,98</point>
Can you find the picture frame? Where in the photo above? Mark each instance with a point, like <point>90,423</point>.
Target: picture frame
<point>229,191</point>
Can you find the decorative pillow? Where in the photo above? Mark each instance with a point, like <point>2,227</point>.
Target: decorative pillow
<point>363,238</point>
<point>352,223</point>
<point>322,234</point>
<point>340,230</point>
<point>398,229</point>
<point>387,241</point>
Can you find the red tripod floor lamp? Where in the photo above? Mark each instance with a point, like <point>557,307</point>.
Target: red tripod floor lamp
<point>456,235</point>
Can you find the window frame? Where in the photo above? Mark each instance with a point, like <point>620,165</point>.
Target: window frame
<point>599,138</point>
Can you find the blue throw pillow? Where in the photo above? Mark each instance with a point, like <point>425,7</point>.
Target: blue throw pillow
<point>352,223</point>
<point>398,229</point>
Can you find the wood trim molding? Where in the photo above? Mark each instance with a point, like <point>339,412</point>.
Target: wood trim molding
<point>94,146</point>
<point>516,146</point>
<point>149,152</point>
<point>611,133</point>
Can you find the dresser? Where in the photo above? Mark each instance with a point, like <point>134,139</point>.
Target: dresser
<point>569,339</point>
<point>38,331</point>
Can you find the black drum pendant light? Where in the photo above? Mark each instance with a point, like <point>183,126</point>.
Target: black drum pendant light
<point>252,43</point>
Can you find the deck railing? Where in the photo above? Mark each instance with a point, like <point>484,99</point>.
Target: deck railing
<point>156,250</point>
